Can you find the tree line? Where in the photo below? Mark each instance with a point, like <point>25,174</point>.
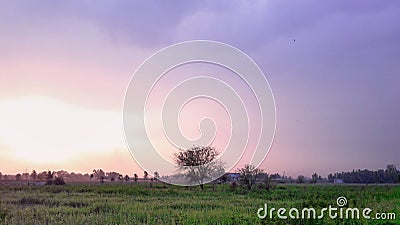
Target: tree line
<point>390,175</point>
<point>200,164</point>
<point>97,174</point>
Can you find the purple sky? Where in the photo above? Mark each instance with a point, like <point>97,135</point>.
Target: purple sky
<point>333,67</point>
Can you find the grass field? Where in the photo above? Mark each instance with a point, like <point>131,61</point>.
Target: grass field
<point>165,204</point>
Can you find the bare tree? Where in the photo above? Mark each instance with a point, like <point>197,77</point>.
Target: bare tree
<point>200,164</point>
<point>248,175</point>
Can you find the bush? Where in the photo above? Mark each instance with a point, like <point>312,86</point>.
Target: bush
<point>59,181</point>
<point>49,182</point>
<point>56,181</point>
<point>248,176</point>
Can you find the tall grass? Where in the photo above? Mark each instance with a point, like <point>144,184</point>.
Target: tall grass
<point>165,204</point>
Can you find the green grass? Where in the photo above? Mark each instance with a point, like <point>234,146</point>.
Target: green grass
<point>165,204</point>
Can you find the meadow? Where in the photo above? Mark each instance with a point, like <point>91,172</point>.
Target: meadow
<point>157,203</point>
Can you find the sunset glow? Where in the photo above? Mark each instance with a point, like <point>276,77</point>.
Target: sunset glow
<point>41,129</point>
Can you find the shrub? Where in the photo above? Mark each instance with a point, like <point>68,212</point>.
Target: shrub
<point>59,181</point>
<point>56,181</point>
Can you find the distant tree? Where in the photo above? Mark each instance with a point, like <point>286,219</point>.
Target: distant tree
<point>135,177</point>
<point>42,175</point>
<point>18,176</point>
<point>58,181</point>
<point>267,181</point>
<point>390,168</point>
<point>33,175</point>
<point>392,173</point>
<point>126,178</point>
<point>99,175</point>
<point>145,175</point>
<point>91,176</point>
<point>301,179</point>
<point>62,173</point>
<point>314,178</point>
<point>25,175</point>
<point>1,175</point>
<point>112,175</point>
<point>156,176</point>
<point>248,175</point>
<point>50,175</point>
<point>330,178</point>
<point>389,175</point>
<point>120,177</point>
<point>275,176</point>
<point>200,164</point>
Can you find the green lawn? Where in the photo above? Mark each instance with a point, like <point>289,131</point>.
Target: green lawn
<point>166,204</point>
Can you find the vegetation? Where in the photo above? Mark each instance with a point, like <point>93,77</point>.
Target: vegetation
<point>233,199</point>
<point>383,176</point>
<point>389,175</point>
<point>248,176</point>
<point>142,203</point>
<point>200,164</point>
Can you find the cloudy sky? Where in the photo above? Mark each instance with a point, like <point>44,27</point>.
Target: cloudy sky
<point>333,68</point>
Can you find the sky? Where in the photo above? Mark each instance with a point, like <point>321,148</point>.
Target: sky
<point>332,66</point>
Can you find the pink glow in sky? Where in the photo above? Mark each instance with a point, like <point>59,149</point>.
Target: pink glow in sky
<point>333,68</point>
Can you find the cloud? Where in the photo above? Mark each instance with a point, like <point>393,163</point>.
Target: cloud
<point>251,25</point>
<point>157,23</point>
<point>137,23</point>
<point>332,65</point>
